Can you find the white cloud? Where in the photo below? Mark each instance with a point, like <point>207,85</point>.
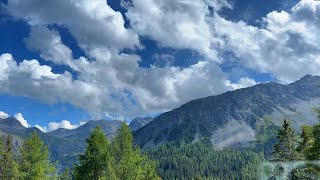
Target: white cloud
<point>242,83</point>
<point>287,47</point>
<point>176,23</point>
<point>108,82</point>
<point>21,119</point>
<point>113,83</point>
<point>63,124</point>
<point>104,86</point>
<point>30,79</point>
<point>92,22</point>
<point>3,115</point>
<point>43,129</point>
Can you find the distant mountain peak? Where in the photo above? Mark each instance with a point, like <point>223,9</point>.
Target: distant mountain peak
<point>139,122</point>
<point>307,78</point>
<point>11,123</point>
<point>83,131</point>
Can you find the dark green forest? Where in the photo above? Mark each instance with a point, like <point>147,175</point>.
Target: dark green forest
<point>200,161</point>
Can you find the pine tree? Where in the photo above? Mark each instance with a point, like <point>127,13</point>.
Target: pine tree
<point>129,162</point>
<point>306,142</point>
<point>9,169</point>
<point>286,147</point>
<point>35,163</point>
<point>314,153</point>
<point>97,162</point>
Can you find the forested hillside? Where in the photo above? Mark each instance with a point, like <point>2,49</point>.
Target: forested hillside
<point>199,160</point>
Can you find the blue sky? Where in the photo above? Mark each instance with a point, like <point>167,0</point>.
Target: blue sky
<point>121,59</point>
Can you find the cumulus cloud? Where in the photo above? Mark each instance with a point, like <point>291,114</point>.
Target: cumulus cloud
<point>176,23</point>
<point>18,116</point>
<point>136,89</point>
<point>109,82</point>
<point>113,83</point>
<point>65,124</point>
<point>242,83</point>
<point>287,47</point>
<point>30,79</point>
<point>3,115</point>
<point>92,22</point>
<point>21,119</point>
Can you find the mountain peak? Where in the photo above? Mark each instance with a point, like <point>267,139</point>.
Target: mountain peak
<point>307,78</point>
<point>138,122</point>
<point>11,123</point>
<point>234,114</point>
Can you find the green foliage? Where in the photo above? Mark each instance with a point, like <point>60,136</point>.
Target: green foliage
<point>316,112</point>
<point>129,162</point>
<point>97,162</point>
<point>306,142</point>
<point>266,135</point>
<point>35,162</point>
<point>8,164</point>
<point>306,172</point>
<point>199,160</point>
<point>119,160</point>
<point>66,175</point>
<point>286,147</point>
<point>314,153</point>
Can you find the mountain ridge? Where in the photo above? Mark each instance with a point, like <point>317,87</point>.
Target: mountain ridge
<point>244,108</point>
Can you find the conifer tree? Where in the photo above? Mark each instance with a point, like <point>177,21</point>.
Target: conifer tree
<point>314,153</point>
<point>306,142</point>
<point>97,163</point>
<point>35,163</point>
<point>286,147</point>
<point>129,162</point>
<point>8,164</point>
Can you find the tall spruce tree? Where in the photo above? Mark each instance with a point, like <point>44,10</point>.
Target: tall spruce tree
<point>97,163</point>
<point>286,147</point>
<point>129,162</point>
<point>313,152</point>
<point>306,142</point>
<point>35,163</point>
<point>8,164</point>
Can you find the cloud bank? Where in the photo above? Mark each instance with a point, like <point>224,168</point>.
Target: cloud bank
<point>110,81</point>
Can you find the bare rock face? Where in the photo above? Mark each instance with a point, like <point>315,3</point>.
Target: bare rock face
<point>231,119</point>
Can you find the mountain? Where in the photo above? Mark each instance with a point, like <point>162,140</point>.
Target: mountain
<point>64,145</point>
<point>11,124</point>
<point>233,119</point>
<point>138,122</point>
<point>83,132</point>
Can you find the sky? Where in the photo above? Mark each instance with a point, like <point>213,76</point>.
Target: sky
<point>65,62</point>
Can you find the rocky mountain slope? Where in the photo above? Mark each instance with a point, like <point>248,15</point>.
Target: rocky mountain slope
<point>231,119</point>
<point>138,122</point>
